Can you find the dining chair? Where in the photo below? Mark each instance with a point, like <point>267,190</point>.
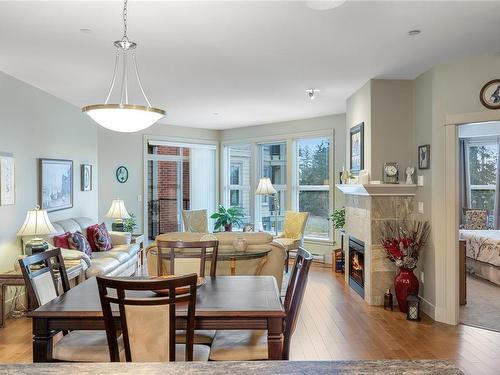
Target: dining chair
<point>42,273</point>
<point>252,345</point>
<point>186,252</point>
<point>147,323</point>
<point>292,236</point>
<point>182,250</point>
<point>195,221</point>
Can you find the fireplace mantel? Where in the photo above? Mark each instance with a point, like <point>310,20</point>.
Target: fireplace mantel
<point>378,189</point>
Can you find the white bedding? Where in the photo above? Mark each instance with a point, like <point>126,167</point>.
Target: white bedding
<point>482,245</point>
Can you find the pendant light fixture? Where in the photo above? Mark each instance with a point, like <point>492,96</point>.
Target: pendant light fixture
<point>124,117</point>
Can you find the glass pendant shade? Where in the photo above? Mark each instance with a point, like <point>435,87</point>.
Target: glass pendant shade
<point>124,117</point>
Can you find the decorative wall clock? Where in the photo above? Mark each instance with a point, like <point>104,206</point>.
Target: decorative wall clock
<point>490,94</point>
<point>122,174</point>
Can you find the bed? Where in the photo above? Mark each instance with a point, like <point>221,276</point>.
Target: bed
<point>482,253</point>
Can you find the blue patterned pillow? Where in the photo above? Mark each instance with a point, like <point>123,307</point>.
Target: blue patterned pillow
<point>77,241</point>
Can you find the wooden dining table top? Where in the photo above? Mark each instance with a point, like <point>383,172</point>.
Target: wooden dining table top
<point>221,296</point>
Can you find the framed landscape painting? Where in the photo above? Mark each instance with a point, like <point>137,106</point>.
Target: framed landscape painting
<point>7,180</point>
<point>55,188</point>
<point>357,148</point>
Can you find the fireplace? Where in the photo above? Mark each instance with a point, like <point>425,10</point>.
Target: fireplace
<point>357,265</point>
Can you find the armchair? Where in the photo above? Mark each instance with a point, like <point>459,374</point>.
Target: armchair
<point>292,236</point>
<point>195,221</point>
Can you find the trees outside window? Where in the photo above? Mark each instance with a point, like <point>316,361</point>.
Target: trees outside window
<point>482,175</point>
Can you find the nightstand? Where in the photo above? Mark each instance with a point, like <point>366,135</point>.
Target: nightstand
<point>139,239</point>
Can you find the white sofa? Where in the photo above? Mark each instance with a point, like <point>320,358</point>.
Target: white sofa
<point>121,260</point>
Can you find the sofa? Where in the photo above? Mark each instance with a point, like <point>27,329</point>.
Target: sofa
<point>121,260</point>
<point>272,264</point>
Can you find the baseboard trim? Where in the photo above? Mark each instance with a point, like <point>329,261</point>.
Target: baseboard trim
<point>428,308</point>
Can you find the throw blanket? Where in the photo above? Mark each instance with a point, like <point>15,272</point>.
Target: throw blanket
<point>482,245</point>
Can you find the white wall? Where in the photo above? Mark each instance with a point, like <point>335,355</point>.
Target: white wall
<point>337,123</point>
<point>446,89</point>
<point>115,149</point>
<point>34,124</point>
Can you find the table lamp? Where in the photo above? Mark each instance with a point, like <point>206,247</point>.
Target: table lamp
<point>265,187</point>
<point>118,212</point>
<point>36,224</point>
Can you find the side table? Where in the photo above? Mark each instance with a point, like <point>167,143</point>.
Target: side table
<point>139,239</point>
<point>15,278</point>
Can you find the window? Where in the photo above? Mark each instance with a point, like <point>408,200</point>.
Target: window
<point>313,186</point>
<point>272,164</point>
<point>482,164</point>
<point>238,175</point>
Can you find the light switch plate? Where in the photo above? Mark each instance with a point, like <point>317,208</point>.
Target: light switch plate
<point>420,207</point>
<point>139,198</point>
<point>420,180</point>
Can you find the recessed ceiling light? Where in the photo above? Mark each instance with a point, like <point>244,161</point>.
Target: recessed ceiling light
<point>215,113</point>
<point>414,32</point>
<point>85,31</point>
<point>312,93</point>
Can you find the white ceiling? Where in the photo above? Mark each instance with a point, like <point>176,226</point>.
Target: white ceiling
<point>251,62</point>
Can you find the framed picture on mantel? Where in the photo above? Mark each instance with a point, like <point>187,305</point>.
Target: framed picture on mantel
<point>357,144</point>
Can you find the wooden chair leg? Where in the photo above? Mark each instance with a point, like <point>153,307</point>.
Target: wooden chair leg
<point>287,260</point>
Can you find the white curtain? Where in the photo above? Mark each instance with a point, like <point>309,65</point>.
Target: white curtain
<point>202,179</point>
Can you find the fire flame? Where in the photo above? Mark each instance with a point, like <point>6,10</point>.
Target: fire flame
<point>355,263</point>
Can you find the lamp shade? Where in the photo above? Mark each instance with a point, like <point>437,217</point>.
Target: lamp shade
<point>37,223</point>
<point>118,210</point>
<point>265,187</point>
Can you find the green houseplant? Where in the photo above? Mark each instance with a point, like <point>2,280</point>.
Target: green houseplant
<point>338,218</point>
<point>227,217</point>
<point>130,224</point>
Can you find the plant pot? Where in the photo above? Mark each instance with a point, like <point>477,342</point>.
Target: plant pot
<point>405,283</point>
<point>228,228</point>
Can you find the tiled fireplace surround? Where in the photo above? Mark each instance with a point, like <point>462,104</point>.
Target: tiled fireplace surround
<point>364,216</point>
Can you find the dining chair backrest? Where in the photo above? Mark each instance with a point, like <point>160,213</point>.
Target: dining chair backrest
<point>294,295</point>
<point>147,321</point>
<point>42,273</point>
<point>188,250</point>
<point>195,221</point>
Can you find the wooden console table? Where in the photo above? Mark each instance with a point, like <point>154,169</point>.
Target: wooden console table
<point>15,278</point>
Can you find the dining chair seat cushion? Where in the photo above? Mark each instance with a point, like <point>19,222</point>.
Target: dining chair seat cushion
<point>84,346</point>
<point>239,346</point>
<point>201,336</point>
<point>201,353</point>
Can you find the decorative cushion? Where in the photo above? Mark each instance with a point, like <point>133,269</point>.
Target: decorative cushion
<point>195,221</point>
<point>90,236</point>
<point>61,240</point>
<point>102,239</point>
<point>85,346</point>
<point>201,353</point>
<point>476,219</point>
<point>77,241</point>
<point>239,346</point>
<point>201,336</point>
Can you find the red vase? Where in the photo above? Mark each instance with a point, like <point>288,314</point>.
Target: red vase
<point>405,283</point>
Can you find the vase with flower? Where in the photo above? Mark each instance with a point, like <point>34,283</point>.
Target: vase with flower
<point>403,242</point>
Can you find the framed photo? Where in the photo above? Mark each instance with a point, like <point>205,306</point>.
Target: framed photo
<point>122,174</point>
<point>357,148</point>
<point>86,177</point>
<point>424,157</point>
<point>55,187</point>
<point>248,227</point>
<point>7,180</point>
<point>490,94</point>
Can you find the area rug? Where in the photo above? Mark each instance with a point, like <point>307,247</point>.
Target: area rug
<point>483,304</point>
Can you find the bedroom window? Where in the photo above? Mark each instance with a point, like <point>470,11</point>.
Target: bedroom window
<point>482,165</point>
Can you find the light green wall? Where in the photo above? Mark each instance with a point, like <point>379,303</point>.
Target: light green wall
<point>34,124</point>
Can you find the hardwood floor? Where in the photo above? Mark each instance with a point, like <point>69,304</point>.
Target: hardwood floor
<point>336,324</point>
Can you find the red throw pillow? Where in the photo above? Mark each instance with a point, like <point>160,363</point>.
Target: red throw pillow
<point>90,236</point>
<point>102,239</point>
<point>61,240</point>
<point>77,241</point>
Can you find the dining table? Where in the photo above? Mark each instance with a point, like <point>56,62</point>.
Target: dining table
<point>222,302</point>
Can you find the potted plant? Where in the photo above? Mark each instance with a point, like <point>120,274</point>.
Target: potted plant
<point>403,244</point>
<point>338,218</point>
<point>130,224</point>
<point>227,217</point>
